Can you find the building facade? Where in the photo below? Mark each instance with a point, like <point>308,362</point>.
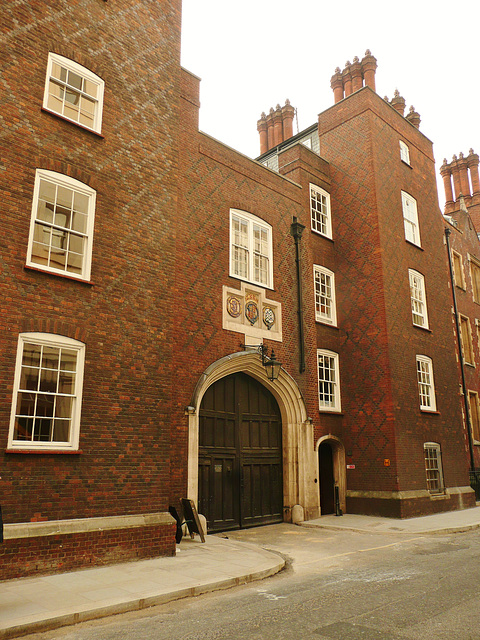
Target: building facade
<point>151,275</point>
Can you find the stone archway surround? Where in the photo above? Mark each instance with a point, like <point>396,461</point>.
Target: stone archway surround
<point>299,456</point>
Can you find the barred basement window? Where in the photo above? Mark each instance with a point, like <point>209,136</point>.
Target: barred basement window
<point>328,381</point>
<point>410,219</point>
<point>320,211</point>
<point>426,389</point>
<point>47,392</point>
<point>324,281</point>
<point>250,248</point>
<point>418,301</point>
<point>74,92</point>
<point>433,467</point>
<point>61,230</point>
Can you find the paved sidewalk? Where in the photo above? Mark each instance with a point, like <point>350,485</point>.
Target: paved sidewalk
<point>35,604</point>
<point>439,523</point>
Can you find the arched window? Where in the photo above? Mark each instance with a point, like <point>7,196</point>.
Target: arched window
<point>74,92</point>
<point>251,253</point>
<point>47,394</point>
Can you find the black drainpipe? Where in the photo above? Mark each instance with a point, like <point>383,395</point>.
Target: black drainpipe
<point>460,350</point>
<point>296,229</point>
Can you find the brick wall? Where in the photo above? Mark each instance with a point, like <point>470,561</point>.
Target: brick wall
<point>360,138</point>
<point>21,557</point>
<point>124,315</point>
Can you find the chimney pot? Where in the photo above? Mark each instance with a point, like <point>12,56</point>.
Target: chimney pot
<point>288,112</point>
<point>398,102</point>
<point>369,66</point>
<point>336,82</point>
<point>413,117</point>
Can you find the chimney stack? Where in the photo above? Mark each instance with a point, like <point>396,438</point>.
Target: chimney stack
<point>463,172</point>
<point>276,127</point>
<point>398,102</point>
<point>413,117</point>
<point>354,76</point>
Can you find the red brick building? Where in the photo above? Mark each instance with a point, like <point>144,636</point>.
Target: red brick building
<point>149,271</point>
<point>462,216</point>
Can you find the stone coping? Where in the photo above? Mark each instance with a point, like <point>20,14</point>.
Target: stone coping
<point>84,525</point>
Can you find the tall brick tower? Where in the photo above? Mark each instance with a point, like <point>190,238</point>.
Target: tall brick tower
<point>394,299</point>
<point>89,146</point>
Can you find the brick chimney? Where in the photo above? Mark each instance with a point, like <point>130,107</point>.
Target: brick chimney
<point>463,173</point>
<point>276,127</point>
<point>354,76</point>
<point>398,103</point>
<point>413,117</point>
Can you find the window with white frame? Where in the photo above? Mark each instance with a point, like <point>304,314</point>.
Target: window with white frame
<point>410,219</point>
<point>426,388</point>
<point>325,308</point>
<point>404,152</point>
<point>433,467</point>
<point>475,275</point>
<point>61,229</point>
<point>328,381</point>
<point>47,392</point>
<point>474,414</point>
<point>418,300</point>
<point>74,92</point>
<point>250,248</point>
<point>320,211</point>
<point>458,275</point>
<point>466,336</point>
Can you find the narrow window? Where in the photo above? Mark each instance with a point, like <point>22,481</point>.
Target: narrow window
<point>320,211</point>
<point>74,92</point>
<point>61,229</point>
<point>475,274</point>
<point>404,152</point>
<point>250,248</point>
<point>433,467</point>
<point>325,310</point>
<point>467,345</point>
<point>474,414</point>
<point>458,270</point>
<point>410,219</point>
<point>328,381</point>
<point>47,392</point>
<point>426,389</point>
<point>418,300</point>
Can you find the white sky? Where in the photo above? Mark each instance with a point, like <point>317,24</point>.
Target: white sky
<point>253,54</point>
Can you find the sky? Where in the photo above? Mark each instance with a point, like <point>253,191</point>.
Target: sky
<point>253,54</point>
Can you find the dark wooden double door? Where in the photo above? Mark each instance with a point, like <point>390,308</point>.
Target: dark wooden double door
<point>240,455</point>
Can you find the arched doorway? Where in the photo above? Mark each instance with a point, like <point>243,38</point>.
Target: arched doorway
<point>327,479</point>
<point>240,455</point>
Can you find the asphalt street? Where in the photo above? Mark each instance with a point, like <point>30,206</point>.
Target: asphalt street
<point>337,586</point>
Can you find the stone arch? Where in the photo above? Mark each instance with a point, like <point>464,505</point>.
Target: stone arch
<point>339,468</point>
<point>299,464</point>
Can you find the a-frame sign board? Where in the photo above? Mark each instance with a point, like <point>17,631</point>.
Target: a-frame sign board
<point>190,516</point>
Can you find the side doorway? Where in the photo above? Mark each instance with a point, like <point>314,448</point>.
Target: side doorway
<point>327,480</point>
<point>240,479</point>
